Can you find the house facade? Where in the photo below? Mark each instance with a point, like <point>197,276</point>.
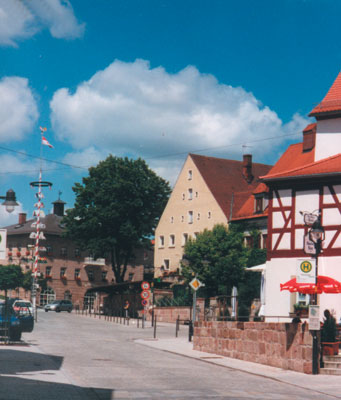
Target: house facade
<point>70,273</point>
<point>306,179</point>
<point>208,191</point>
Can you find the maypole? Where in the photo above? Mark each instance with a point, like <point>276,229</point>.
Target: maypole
<point>38,213</point>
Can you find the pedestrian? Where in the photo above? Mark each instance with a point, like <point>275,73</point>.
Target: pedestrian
<point>126,309</point>
<point>297,318</point>
<point>329,328</point>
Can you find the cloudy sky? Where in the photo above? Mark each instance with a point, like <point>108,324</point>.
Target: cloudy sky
<point>155,79</point>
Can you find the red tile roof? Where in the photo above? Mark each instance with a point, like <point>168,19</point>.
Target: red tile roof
<point>331,104</point>
<point>326,166</point>
<point>225,177</point>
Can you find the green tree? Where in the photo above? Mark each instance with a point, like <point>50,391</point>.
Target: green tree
<point>116,210</point>
<point>218,258</point>
<point>27,281</point>
<point>11,277</point>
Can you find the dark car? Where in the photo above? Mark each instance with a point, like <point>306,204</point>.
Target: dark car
<point>59,305</point>
<point>10,324</point>
<point>24,311</point>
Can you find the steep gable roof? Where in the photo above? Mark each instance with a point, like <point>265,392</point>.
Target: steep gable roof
<point>331,104</point>
<point>225,180</point>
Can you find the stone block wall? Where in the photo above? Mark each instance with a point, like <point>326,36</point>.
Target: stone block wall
<point>282,345</point>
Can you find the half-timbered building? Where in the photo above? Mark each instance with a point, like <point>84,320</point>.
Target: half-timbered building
<point>306,179</point>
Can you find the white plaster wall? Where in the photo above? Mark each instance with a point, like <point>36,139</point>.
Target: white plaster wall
<point>328,138</point>
<point>280,270</point>
<point>306,200</point>
<point>331,216</point>
<point>285,197</point>
<point>299,238</point>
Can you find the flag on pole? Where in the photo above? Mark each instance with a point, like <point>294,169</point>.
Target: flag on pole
<point>42,130</point>
<point>45,142</point>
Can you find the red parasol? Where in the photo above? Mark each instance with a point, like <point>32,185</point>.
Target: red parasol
<point>325,284</point>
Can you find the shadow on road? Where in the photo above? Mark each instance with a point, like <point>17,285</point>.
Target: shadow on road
<point>38,378</point>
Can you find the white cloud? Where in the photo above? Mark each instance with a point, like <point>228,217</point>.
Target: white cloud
<point>135,110</point>
<point>85,159</point>
<point>21,19</point>
<point>18,111</point>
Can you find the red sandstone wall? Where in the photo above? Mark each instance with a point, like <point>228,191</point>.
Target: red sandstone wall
<point>282,345</point>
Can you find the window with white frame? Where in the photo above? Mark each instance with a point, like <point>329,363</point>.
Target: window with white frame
<point>166,264</point>
<point>190,194</point>
<point>171,240</point>
<point>161,241</point>
<point>198,216</point>
<point>184,238</point>
<point>190,217</point>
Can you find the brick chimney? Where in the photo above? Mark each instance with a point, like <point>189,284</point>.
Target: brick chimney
<point>309,136</point>
<point>247,168</point>
<point>22,218</point>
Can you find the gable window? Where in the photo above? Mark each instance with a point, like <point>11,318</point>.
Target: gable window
<point>209,215</point>
<point>161,241</point>
<point>190,217</point>
<point>172,220</point>
<point>198,216</point>
<point>190,194</point>
<point>182,218</point>
<point>190,175</point>
<point>171,240</point>
<point>183,196</point>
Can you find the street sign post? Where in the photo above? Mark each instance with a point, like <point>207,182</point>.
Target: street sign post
<point>145,285</point>
<point>195,284</point>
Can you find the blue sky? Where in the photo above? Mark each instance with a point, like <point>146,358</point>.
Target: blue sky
<point>155,79</point>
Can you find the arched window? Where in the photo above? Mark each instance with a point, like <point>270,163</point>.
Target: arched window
<point>47,296</point>
<point>67,295</point>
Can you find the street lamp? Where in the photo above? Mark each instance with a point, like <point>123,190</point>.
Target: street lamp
<point>316,235</point>
<point>10,200</point>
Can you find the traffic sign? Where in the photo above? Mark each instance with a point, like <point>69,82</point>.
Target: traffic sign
<point>144,302</point>
<point>145,294</point>
<point>145,285</point>
<point>306,270</point>
<point>195,284</point>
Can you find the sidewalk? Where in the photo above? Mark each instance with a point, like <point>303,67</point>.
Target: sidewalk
<point>324,384</point>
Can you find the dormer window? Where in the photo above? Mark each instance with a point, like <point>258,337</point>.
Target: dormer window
<point>258,205</point>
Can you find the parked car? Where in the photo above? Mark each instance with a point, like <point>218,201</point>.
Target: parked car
<point>9,321</point>
<point>23,307</point>
<point>59,305</point>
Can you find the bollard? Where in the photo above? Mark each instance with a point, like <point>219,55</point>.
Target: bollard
<point>190,331</point>
<point>177,326</point>
<point>155,327</point>
<point>138,322</point>
<point>128,321</point>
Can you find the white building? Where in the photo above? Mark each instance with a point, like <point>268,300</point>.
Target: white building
<point>306,178</point>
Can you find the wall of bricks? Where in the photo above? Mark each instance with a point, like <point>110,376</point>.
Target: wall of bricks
<point>282,345</point>
<point>170,314</point>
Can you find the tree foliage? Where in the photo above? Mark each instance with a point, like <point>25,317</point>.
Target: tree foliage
<point>219,257</point>
<point>116,210</point>
<point>11,277</point>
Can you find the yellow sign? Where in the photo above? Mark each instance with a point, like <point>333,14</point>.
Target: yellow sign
<point>306,266</point>
<point>195,284</point>
<point>305,270</point>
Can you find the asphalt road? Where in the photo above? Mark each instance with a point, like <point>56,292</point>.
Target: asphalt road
<point>75,357</point>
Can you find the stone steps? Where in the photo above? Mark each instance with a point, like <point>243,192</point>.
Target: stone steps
<point>332,365</point>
